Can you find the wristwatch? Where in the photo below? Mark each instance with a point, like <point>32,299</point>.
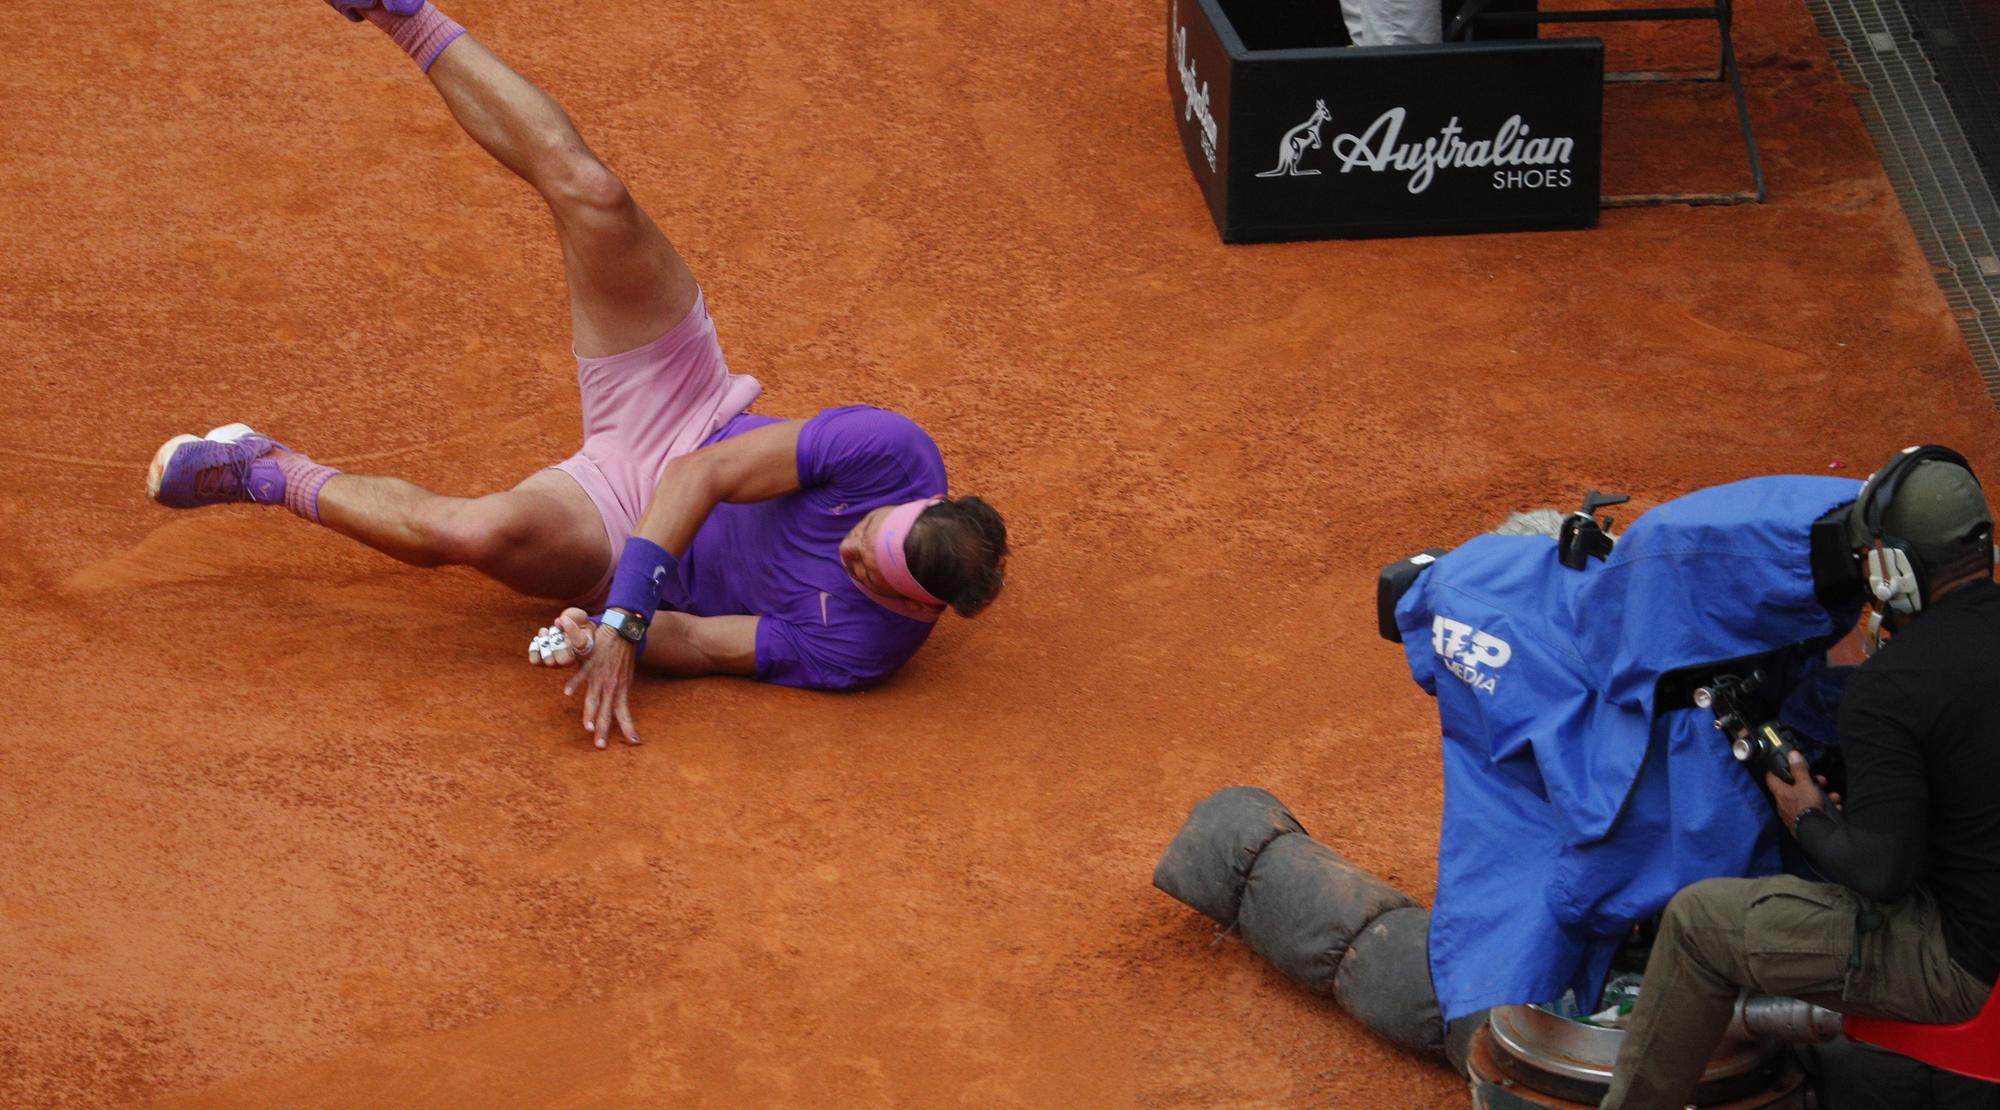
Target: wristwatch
<point>631,626</point>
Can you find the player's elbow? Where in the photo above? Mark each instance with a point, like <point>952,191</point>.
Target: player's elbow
<point>696,472</point>
<point>706,645</point>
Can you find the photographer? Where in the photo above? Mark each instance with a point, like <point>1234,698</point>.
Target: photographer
<point>1909,928</point>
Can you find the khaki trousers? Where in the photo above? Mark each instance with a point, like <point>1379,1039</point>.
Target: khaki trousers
<point>1779,935</point>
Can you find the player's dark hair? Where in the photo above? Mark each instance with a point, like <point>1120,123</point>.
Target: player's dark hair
<point>958,551</point>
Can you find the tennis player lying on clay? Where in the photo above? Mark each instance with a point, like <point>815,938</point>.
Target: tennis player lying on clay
<point>816,553</point>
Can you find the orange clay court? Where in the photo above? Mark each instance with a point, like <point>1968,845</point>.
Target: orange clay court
<point>285,823</point>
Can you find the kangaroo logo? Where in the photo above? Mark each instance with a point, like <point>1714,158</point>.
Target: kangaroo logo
<point>1296,142</point>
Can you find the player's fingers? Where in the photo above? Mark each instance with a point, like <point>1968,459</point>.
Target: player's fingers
<point>625,719</point>
<point>578,633</point>
<point>591,696</point>
<point>557,653</point>
<point>580,678</point>
<point>554,646</point>
<point>600,726</point>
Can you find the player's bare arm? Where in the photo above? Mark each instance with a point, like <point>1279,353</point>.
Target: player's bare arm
<point>680,645</point>
<point>756,466</point>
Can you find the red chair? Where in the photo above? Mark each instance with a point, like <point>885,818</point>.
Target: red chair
<point>1968,1048</point>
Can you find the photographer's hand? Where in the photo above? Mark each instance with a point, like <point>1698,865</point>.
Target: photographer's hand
<point>1804,792</point>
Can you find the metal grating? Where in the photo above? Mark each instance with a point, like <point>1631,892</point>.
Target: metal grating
<point>1962,38</point>
<point>1949,202</point>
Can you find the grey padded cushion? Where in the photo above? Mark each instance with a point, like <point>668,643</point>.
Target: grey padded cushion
<point>1386,980</point>
<point>1304,904</point>
<point>1210,857</point>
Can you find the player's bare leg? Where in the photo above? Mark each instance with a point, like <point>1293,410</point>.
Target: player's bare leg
<point>542,538</point>
<point>627,287</point>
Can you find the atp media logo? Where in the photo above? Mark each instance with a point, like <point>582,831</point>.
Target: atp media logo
<point>1470,654</point>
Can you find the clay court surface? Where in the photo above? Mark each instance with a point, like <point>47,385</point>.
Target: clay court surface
<point>283,823</point>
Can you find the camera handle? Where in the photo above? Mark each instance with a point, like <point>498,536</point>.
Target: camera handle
<point>1584,535</point>
<point>1762,746</point>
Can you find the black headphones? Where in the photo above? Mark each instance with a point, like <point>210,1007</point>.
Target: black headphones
<point>1896,575</point>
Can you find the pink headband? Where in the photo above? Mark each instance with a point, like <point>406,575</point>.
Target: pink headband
<point>889,556</point>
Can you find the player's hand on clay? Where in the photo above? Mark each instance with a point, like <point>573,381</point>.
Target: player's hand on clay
<point>564,642</point>
<point>606,679</point>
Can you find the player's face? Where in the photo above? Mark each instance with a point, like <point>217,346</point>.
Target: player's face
<point>857,552</point>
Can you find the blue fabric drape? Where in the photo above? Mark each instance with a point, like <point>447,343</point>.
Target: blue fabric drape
<point>1574,809</point>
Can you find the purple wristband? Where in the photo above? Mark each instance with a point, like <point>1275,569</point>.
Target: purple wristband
<point>643,569</point>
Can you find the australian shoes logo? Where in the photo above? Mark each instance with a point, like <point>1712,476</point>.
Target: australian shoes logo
<point>1470,654</point>
<point>1193,90</point>
<point>1527,160</point>
<point>1292,148</point>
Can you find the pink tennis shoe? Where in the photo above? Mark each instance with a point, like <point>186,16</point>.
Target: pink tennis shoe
<point>229,464</point>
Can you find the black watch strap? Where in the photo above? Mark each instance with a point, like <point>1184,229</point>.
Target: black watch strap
<point>630,626</point>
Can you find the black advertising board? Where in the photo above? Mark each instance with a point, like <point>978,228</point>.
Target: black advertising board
<point>1344,142</point>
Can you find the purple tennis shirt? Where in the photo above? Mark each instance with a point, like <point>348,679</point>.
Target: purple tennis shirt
<point>780,559</point>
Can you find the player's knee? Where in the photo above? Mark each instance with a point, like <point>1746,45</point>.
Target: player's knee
<point>585,188</point>
<point>473,535</point>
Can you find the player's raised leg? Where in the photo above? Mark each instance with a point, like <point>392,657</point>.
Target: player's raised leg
<point>627,284</point>
<point>627,287</point>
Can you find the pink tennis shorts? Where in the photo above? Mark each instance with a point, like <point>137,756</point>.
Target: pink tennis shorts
<point>644,407</point>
